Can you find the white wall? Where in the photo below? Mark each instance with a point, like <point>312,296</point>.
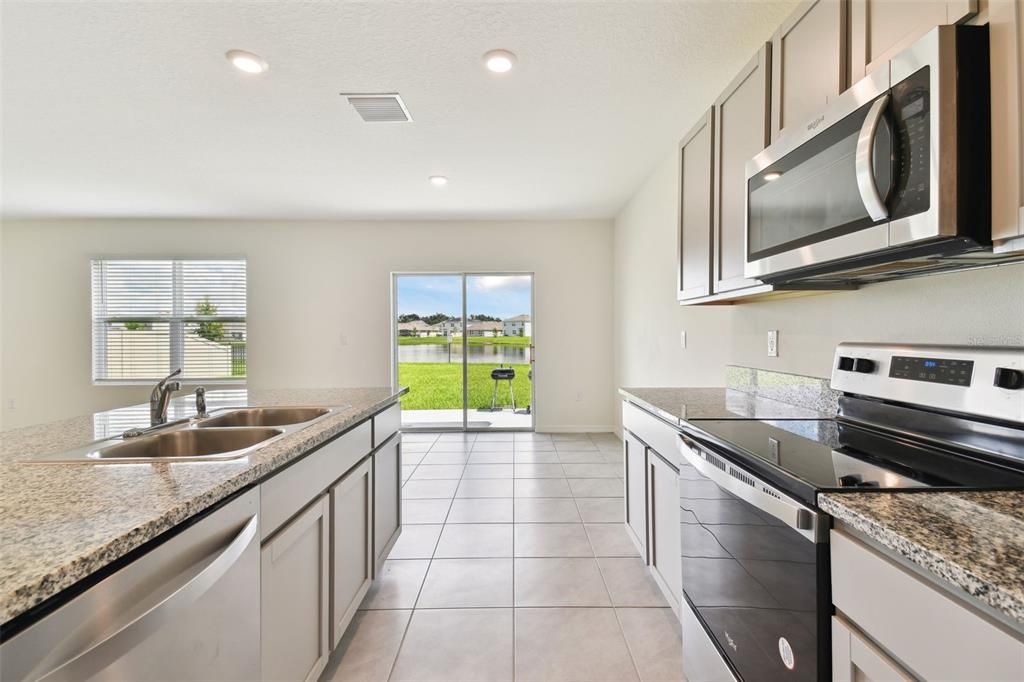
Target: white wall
<point>319,303</point>
<point>975,307</point>
<point>648,321</point>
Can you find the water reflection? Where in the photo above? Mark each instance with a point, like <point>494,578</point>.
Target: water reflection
<point>491,354</point>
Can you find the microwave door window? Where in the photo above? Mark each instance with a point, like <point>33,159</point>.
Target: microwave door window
<point>811,194</point>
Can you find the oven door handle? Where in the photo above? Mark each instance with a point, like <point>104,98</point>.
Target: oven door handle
<point>751,489</point>
<point>865,161</point>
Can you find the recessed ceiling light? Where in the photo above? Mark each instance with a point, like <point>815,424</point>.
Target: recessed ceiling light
<point>438,180</point>
<point>247,61</point>
<point>773,175</point>
<point>499,61</point>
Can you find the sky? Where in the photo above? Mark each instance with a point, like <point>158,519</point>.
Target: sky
<point>501,296</point>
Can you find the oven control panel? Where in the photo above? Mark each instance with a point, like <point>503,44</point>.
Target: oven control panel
<point>934,370</point>
<point>972,380</point>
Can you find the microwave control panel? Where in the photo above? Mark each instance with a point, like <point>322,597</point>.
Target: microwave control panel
<point>910,111</point>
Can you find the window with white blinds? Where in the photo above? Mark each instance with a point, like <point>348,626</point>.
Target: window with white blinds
<point>151,317</point>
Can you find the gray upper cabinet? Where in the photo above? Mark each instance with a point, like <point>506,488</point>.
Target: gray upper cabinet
<point>808,62</point>
<point>741,124</point>
<point>696,199</point>
<point>1006,35</point>
<point>880,28</point>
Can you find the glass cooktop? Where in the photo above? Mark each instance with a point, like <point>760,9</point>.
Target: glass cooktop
<point>809,456</point>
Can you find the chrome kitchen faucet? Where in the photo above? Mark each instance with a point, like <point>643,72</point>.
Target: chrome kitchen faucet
<point>160,396</point>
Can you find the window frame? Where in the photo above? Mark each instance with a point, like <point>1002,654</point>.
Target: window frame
<point>176,322</point>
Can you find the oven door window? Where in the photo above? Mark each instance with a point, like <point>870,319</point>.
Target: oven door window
<point>751,580</point>
<point>811,194</point>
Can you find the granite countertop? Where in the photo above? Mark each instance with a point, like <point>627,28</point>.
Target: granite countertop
<point>972,540</point>
<point>61,522</point>
<point>677,405</point>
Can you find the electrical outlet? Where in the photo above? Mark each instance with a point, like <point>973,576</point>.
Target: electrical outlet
<point>773,343</point>
<point>682,339</point>
<point>579,396</point>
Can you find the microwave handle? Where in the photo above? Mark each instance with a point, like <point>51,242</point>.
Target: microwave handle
<point>873,202</point>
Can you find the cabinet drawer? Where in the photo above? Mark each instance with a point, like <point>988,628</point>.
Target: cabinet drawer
<point>287,492</point>
<point>386,424</point>
<point>928,631</point>
<point>655,433</point>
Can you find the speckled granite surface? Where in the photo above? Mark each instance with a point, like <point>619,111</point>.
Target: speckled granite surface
<point>683,404</point>
<point>814,393</point>
<point>973,540</point>
<point>61,522</point>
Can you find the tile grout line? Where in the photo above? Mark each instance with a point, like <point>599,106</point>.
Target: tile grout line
<point>514,525</point>
<point>419,592</point>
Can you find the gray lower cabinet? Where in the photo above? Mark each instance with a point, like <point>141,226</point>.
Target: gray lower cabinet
<point>636,491</point>
<point>351,545</point>
<point>387,499</point>
<point>663,503</point>
<point>294,596</point>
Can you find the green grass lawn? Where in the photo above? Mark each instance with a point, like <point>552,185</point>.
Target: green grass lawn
<point>438,386</point>
<point>473,340</point>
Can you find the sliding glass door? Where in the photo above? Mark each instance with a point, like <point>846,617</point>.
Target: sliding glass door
<point>463,344</point>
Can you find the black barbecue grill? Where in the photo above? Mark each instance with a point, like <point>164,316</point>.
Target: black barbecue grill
<point>503,374</point>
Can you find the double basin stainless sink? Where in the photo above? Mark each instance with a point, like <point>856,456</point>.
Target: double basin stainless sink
<point>228,435</point>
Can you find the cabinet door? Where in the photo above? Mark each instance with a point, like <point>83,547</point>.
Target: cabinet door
<point>741,123</point>
<point>663,500</point>
<point>881,28</point>
<point>387,499</point>
<point>1006,36</point>
<point>294,597</point>
<point>696,198</point>
<point>636,491</point>
<point>856,659</point>
<point>808,62</point>
<point>351,545</point>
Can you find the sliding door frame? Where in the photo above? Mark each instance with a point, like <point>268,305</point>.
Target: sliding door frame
<point>465,344</point>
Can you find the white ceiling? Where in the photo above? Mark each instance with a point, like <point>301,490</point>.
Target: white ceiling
<point>130,108</point>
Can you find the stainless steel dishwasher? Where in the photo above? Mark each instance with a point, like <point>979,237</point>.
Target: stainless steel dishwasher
<point>188,609</point>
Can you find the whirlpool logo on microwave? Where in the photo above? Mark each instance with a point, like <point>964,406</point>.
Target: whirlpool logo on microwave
<point>816,122</point>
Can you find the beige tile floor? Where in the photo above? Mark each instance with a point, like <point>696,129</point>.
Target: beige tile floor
<point>513,564</point>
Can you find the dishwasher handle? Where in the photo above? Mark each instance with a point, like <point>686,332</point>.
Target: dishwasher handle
<point>130,634</point>
<point>742,484</point>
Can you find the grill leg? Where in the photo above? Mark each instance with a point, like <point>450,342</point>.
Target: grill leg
<point>512,392</point>
<point>494,396</point>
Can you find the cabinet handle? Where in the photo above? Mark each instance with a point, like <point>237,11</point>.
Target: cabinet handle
<point>864,161</point>
<point>133,632</point>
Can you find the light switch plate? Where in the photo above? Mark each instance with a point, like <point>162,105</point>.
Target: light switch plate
<point>682,339</point>
<point>773,343</point>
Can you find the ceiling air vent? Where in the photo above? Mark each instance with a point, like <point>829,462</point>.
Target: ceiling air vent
<point>380,107</point>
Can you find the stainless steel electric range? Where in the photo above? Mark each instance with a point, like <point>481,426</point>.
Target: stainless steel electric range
<point>754,562</point>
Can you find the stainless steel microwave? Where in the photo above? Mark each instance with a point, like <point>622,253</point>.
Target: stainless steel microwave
<point>891,179</point>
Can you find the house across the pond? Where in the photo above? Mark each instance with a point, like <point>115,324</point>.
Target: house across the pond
<point>516,326</point>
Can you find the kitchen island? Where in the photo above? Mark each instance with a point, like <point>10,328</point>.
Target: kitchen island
<point>62,522</point>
